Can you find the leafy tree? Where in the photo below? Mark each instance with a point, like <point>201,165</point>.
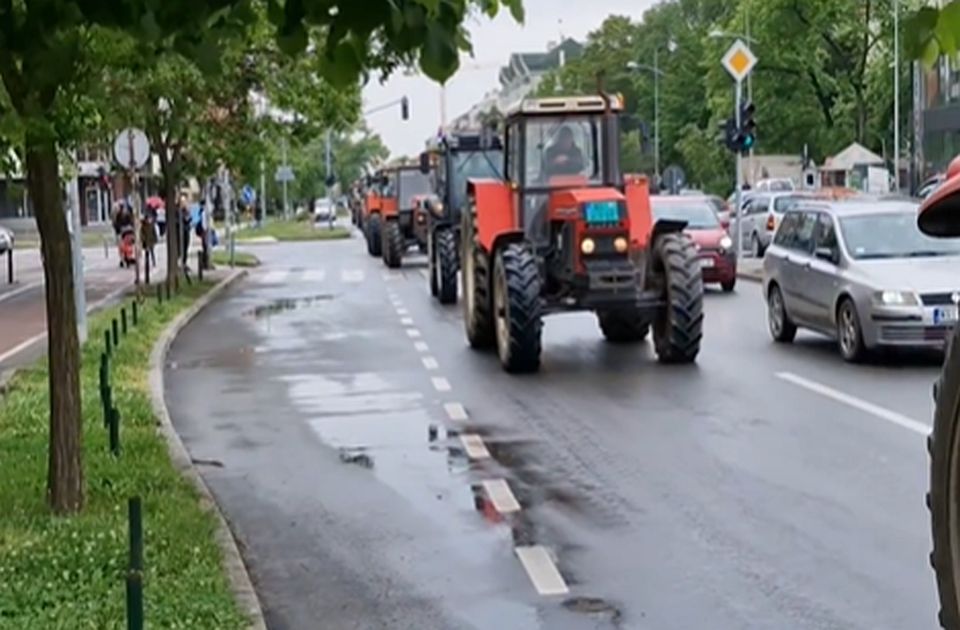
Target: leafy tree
<point>42,47</point>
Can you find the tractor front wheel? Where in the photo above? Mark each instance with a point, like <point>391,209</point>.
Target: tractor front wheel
<point>477,302</point>
<point>943,500</point>
<point>372,232</point>
<point>517,310</point>
<point>678,327</point>
<point>392,244</point>
<point>446,266</point>
<point>623,326</point>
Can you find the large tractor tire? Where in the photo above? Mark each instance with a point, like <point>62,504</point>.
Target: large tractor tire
<point>678,327</point>
<point>475,274</point>
<point>517,308</point>
<point>446,266</point>
<point>432,264</point>
<point>943,500</point>
<point>393,244</point>
<point>373,234</point>
<point>623,326</point>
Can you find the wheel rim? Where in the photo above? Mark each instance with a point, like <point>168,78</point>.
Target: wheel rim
<point>776,313</point>
<point>500,310</point>
<point>848,330</point>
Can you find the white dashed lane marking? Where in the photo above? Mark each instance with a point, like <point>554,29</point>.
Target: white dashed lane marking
<point>501,496</point>
<point>852,401</point>
<point>407,321</point>
<point>441,384</point>
<point>455,411</point>
<point>402,312</point>
<point>421,346</point>
<point>473,446</point>
<point>541,570</point>
<point>413,333</point>
<point>430,363</point>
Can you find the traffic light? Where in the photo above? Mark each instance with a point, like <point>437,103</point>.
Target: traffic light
<point>728,133</point>
<point>405,108</point>
<point>330,181</point>
<point>747,136</point>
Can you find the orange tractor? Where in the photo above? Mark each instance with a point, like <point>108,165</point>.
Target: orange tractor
<point>567,232</point>
<point>371,221</point>
<point>391,217</point>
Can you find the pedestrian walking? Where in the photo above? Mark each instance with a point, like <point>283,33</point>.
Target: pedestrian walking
<point>183,215</point>
<point>148,237</point>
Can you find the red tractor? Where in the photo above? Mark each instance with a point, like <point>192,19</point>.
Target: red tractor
<point>371,221</point>
<point>565,232</point>
<point>940,217</point>
<point>400,189</point>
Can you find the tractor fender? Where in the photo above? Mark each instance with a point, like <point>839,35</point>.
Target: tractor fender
<point>940,212</point>
<point>505,238</point>
<point>495,215</point>
<point>388,207</point>
<point>636,189</point>
<point>667,226</point>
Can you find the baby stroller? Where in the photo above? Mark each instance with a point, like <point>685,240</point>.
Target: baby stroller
<point>127,247</point>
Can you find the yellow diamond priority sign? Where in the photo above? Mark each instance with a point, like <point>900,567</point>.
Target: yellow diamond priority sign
<point>739,60</point>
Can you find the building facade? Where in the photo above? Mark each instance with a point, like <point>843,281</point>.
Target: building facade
<point>937,101</point>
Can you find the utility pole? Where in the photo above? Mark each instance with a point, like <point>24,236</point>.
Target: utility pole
<point>656,116</point>
<point>286,201</point>
<point>896,95</point>
<point>738,187</point>
<point>329,162</point>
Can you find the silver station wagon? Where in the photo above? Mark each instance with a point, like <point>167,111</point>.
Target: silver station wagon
<point>862,272</point>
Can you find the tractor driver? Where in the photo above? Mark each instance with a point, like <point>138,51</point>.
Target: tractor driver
<point>564,156</point>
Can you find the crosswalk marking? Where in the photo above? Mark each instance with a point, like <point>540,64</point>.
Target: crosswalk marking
<point>315,275</point>
<point>352,276</point>
<point>275,277</point>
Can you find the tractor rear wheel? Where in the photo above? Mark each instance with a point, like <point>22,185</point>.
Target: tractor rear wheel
<point>392,244</point>
<point>623,326</point>
<point>943,500</point>
<point>446,266</point>
<point>477,301</point>
<point>678,327</point>
<point>432,263</point>
<point>372,232</point>
<point>517,309</point>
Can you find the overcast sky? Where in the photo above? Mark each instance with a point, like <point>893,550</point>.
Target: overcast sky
<point>493,42</point>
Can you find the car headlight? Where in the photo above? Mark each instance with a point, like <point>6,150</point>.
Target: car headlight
<point>896,298</point>
<point>726,243</point>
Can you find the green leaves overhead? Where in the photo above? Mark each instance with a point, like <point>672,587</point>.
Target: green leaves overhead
<point>931,32</point>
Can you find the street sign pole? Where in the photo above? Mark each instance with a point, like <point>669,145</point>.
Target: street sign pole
<point>738,232</point>
<point>286,201</point>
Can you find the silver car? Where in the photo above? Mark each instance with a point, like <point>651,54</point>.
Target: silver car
<point>862,272</point>
<point>760,215</point>
<point>6,239</point>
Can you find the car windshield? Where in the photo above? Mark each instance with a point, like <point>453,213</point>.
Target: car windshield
<point>473,165</point>
<point>786,202</point>
<point>563,147</point>
<point>892,235</point>
<point>699,215</point>
<point>413,183</point>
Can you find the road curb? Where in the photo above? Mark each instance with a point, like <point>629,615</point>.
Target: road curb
<point>240,582</point>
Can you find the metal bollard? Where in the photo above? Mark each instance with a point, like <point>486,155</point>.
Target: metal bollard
<point>107,399</point>
<point>115,431</point>
<point>167,285</point>
<point>136,312</point>
<point>10,266</point>
<point>159,294</point>
<point>106,343</point>
<point>116,333</point>
<point>146,270</point>
<point>123,320</point>
<point>135,570</point>
<point>200,266</point>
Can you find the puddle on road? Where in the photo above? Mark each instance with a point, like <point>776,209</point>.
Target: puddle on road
<point>595,607</point>
<point>237,357</point>
<point>282,305</point>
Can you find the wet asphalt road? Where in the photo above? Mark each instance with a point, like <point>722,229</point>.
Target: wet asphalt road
<point>765,487</point>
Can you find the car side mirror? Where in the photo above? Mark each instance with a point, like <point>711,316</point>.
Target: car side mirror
<point>827,253</point>
<point>425,163</point>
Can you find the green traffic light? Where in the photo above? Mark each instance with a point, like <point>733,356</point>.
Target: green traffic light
<point>748,142</point>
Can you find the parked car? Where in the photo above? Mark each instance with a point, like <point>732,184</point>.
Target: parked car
<point>723,210</point>
<point>323,210</point>
<point>718,260</point>
<point>6,239</point>
<point>775,184</point>
<point>861,271</point>
<point>760,216</point>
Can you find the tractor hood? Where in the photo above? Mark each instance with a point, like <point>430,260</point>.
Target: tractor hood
<point>579,196</point>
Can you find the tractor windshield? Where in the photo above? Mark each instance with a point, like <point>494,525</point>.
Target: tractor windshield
<point>413,183</point>
<point>473,165</point>
<point>563,148</point>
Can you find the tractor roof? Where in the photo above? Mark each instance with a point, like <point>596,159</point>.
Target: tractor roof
<point>467,140</point>
<point>592,104</point>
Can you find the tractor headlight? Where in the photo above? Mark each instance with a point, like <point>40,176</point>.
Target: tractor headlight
<point>726,243</point>
<point>437,208</point>
<point>620,244</point>
<point>588,246</point>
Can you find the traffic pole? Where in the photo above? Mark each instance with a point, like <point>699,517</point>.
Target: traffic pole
<point>738,232</point>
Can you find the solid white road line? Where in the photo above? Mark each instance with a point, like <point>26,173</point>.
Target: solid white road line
<point>315,275</point>
<point>421,346</point>
<point>474,447</point>
<point>352,276</point>
<point>19,290</point>
<point>413,333</point>
<point>852,401</point>
<point>501,496</point>
<point>275,277</point>
<point>441,384</point>
<point>455,411</point>
<point>407,321</point>
<point>430,363</point>
<point>541,570</point>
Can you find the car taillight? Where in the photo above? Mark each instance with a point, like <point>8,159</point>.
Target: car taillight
<point>771,222</point>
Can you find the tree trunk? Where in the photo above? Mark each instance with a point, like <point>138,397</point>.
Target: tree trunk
<point>168,171</point>
<point>65,485</point>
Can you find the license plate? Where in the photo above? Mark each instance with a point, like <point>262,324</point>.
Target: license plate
<point>945,315</point>
<point>706,263</point>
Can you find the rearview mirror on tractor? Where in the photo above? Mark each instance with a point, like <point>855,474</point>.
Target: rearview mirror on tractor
<point>425,163</point>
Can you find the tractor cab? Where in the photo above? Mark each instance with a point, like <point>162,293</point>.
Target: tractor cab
<point>401,189</point>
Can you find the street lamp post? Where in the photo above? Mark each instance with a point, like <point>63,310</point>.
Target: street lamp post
<point>896,95</point>
<point>657,74</point>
